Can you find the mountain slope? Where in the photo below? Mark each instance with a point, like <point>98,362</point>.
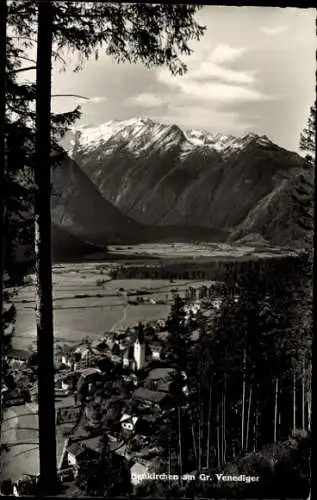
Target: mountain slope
<point>78,206</point>
<point>66,247</point>
<point>160,175</point>
<point>285,215</point>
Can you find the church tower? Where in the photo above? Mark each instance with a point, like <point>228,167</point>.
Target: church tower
<point>139,348</point>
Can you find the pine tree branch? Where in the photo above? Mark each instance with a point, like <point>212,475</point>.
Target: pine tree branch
<point>28,68</point>
<point>27,59</point>
<point>72,95</point>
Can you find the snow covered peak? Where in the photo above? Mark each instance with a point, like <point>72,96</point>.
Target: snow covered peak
<point>140,133</point>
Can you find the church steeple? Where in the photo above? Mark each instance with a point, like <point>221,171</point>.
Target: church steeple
<point>140,334</point>
<point>139,348</point>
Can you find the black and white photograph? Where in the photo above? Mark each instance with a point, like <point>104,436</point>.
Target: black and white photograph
<point>157,223</point>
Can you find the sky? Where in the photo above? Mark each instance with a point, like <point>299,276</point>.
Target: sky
<point>253,71</point>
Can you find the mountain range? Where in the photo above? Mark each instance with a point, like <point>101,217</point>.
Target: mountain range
<point>138,180</point>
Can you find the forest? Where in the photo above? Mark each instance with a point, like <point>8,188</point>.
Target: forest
<point>216,270</point>
<point>247,409</point>
<point>249,379</point>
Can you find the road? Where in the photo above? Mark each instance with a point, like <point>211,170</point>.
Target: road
<point>124,317</point>
<point>20,433</point>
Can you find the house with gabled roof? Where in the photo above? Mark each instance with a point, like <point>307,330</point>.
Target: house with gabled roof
<point>159,379</point>
<point>128,422</point>
<point>82,449</point>
<point>19,355</point>
<point>151,399</point>
<point>155,350</point>
<point>128,360</point>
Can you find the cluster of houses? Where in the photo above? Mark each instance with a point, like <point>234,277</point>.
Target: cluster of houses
<point>136,352</point>
<point>129,348</point>
<point>150,399</point>
<point>139,418</point>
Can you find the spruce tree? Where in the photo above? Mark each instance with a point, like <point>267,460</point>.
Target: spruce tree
<point>307,142</point>
<point>3,29</point>
<point>105,476</point>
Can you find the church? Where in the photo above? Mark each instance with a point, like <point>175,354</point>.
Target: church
<point>138,354</point>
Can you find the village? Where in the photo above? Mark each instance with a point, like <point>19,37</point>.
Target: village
<point>120,383</point>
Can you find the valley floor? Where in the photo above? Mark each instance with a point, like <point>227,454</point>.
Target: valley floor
<point>83,308</point>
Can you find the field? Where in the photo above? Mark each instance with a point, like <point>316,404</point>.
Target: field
<point>83,308</point>
<point>79,312</point>
<point>199,251</point>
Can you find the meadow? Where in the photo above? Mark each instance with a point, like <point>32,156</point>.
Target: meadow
<point>84,308</point>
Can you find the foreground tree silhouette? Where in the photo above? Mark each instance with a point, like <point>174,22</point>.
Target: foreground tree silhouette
<point>43,261</point>
<point>3,20</point>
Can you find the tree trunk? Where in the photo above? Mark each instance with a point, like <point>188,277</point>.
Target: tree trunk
<point>255,430</point>
<point>294,404</point>
<point>169,449</point>
<point>303,398</point>
<point>275,410</point>
<point>3,47</point>
<point>224,423</point>
<point>180,453</point>
<point>44,306</point>
<point>309,398</point>
<point>194,443</point>
<point>221,427</point>
<point>309,410</point>
<point>199,433</point>
<point>218,437</point>
<point>243,403</point>
<point>209,427</point>
<point>248,420</point>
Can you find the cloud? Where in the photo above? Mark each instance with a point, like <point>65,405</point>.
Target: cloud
<point>206,118</point>
<point>209,90</point>
<point>208,81</point>
<point>96,99</point>
<point>209,70</point>
<point>225,53</point>
<point>144,100</point>
<point>221,92</point>
<point>273,30</point>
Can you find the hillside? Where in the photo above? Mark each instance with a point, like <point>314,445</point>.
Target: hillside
<point>78,207</point>
<point>67,248</point>
<point>285,215</point>
<point>161,175</point>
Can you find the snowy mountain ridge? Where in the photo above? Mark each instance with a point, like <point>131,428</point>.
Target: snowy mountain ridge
<point>160,175</point>
<point>140,134</point>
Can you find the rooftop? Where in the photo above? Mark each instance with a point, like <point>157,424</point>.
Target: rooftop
<point>129,352</point>
<point>79,446</point>
<point>162,335</point>
<point>67,349</point>
<point>89,371</point>
<point>125,417</point>
<point>160,373</point>
<point>19,354</point>
<point>155,346</point>
<point>147,395</point>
